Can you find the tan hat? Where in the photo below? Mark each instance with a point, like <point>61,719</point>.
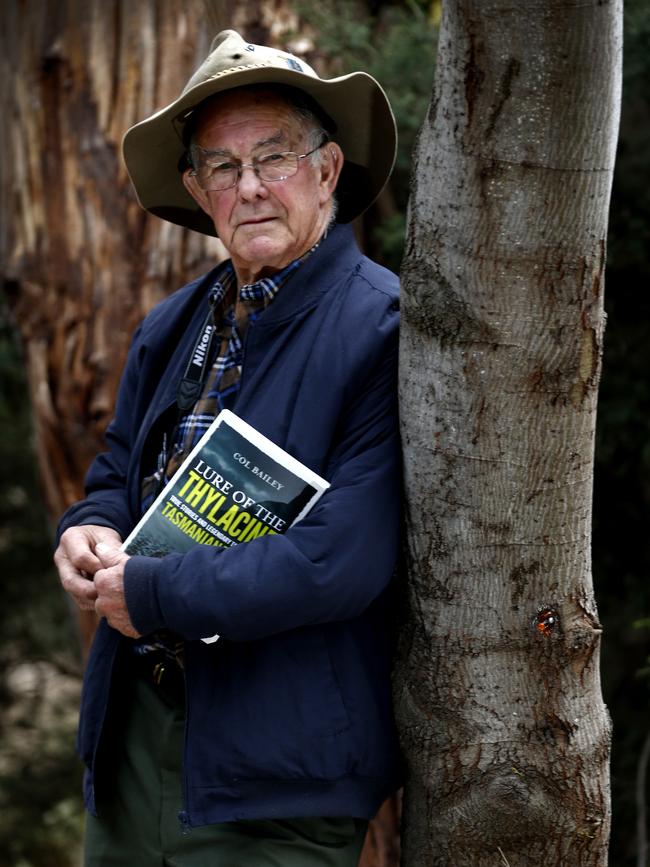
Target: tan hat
<point>365,129</point>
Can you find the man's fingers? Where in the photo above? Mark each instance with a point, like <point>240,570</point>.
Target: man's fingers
<point>85,552</point>
<point>77,548</point>
<point>82,590</point>
<point>77,562</point>
<point>110,601</point>
<point>110,555</point>
<point>79,557</point>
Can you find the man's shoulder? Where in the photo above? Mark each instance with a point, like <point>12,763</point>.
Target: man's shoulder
<point>365,309</point>
<point>373,287</point>
<point>180,302</point>
<point>370,277</point>
<point>379,278</point>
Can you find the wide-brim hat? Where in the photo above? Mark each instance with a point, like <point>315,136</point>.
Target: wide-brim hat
<point>364,124</point>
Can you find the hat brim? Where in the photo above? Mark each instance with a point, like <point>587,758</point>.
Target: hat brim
<point>357,104</point>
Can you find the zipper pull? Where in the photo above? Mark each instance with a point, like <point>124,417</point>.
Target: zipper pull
<point>184,820</point>
<point>162,457</point>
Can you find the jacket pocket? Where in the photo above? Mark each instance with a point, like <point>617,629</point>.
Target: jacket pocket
<point>274,710</point>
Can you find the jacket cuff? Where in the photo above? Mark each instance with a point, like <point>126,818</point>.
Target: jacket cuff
<point>140,594</point>
<point>79,517</point>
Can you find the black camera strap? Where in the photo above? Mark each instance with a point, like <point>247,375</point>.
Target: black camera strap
<point>191,385</point>
<point>196,373</point>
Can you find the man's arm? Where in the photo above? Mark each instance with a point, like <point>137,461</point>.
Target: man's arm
<point>329,567</point>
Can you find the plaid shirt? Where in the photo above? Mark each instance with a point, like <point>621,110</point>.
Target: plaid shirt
<point>219,391</point>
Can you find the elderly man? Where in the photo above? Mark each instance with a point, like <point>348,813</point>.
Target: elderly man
<point>274,745</point>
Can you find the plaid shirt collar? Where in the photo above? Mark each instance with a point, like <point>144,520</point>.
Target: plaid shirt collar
<point>255,296</point>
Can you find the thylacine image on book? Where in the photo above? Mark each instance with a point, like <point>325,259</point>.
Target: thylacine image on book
<point>234,486</point>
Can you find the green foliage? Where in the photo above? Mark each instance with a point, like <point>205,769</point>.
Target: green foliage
<point>41,815</point>
<point>398,47</point>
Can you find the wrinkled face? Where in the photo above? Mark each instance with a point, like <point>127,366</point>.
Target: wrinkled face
<point>265,225</point>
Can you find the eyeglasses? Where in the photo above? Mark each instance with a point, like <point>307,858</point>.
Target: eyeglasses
<point>216,176</point>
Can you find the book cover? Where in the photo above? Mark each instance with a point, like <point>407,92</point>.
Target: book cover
<point>234,486</point>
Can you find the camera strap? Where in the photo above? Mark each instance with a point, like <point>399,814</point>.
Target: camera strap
<point>198,365</point>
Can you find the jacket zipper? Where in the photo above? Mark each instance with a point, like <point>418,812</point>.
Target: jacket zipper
<point>98,742</point>
<point>183,815</point>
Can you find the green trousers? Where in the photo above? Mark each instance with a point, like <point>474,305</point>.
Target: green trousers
<point>138,806</point>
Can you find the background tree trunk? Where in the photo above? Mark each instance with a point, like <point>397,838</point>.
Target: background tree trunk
<point>81,261</point>
<point>497,685</point>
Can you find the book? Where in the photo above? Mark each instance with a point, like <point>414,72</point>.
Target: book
<point>235,486</point>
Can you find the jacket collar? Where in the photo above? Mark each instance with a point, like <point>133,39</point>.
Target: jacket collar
<point>313,278</point>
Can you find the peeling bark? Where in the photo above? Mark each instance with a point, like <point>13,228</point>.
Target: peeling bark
<point>81,262</point>
<point>497,683</point>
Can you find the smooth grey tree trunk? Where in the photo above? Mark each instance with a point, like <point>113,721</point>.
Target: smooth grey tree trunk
<point>497,684</point>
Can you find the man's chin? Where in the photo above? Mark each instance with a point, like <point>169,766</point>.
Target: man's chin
<point>262,246</point>
<point>262,254</point>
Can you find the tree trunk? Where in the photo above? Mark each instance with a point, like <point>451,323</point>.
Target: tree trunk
<point>81,262</point>
<point>498,697</point>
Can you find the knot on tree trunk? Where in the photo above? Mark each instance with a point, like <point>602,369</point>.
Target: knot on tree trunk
<point>437,308</point>
<point>502,807</point>
<point>565,635</point>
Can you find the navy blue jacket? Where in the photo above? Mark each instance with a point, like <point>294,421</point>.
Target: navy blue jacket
<point>289,713</point>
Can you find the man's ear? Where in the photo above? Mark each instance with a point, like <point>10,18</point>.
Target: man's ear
<point>330,168</point>
<point>192,186</point>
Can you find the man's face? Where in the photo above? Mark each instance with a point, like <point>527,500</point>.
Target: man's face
<point>264,225</point>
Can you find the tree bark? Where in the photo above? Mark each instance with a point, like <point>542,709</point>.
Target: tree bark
<point>498,700</point>
<point>81,263</point>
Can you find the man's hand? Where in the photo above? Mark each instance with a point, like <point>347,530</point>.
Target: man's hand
<point>77,561</point>
<point>109,584</point>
